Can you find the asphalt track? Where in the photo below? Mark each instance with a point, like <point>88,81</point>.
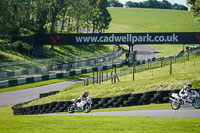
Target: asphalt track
<point>20,96</point>
<point>181,113</point>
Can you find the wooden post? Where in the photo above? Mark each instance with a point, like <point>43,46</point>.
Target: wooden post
<point>102,76</point>
<point>107,76</point>
<point>133,72</point>
<point>174,59</point>
<point>170,66</point>
<point>111,77</point>
<point>115,75</point>
<point>97,77</point>
<point>93,77</point>
<point>87,82</point>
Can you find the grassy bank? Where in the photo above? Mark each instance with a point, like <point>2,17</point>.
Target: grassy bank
<point>96,124</point>
<point>135,20</point>
<point>150,80</point>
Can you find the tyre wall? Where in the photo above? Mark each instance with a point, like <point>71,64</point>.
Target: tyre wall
<point>99,103</point>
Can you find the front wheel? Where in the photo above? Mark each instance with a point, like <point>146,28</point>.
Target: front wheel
<point>175,105</point>
<point>196,103</point>
<point>71,108</point>
<point>87,108</point>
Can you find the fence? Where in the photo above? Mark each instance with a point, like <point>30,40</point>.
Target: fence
<point>150,64</point>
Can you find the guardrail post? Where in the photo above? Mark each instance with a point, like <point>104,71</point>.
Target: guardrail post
<point>97,77</point>
<point>170,65</point>
<point>93,77</point>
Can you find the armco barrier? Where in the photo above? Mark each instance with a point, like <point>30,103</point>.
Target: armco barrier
<point>38,78</point>
<point>98,103</point>
<point>61,66</point>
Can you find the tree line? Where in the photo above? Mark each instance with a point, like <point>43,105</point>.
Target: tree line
<point>24,17</point>
<point>148,4</point>
<point>195,9</point>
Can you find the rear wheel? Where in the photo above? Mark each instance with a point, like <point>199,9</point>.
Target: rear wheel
<point>196,103</point>
<point>175,105</point>
<point>71,108</point>
<point>87,108</point>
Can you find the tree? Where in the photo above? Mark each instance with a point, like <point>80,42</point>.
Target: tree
<point>55,7</point>
<point>52,16</point>
<point>195,8</point>
<point>166,4</point>
<point>115,3</point>
<point>179,7</point>
<point>156,4</point>
<point>101,18</point>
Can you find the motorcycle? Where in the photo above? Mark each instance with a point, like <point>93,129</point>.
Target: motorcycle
<point>82,106</point>
<point>193,99</point>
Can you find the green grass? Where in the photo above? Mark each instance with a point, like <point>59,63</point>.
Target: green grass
<point>169,49</point>
<point>59,51</point>
<point>96,124</point>
<point>133,20</point>
<point>150,80</point>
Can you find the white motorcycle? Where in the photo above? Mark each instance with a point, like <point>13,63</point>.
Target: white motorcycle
<point>193,99</point>
<point>82,106</point>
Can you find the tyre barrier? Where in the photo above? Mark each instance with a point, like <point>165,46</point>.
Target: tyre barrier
<point>48,94</point>
<point>99,103</point>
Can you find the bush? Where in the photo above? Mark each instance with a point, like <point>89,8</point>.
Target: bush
<point>21,47</point>
<point>3,45</point>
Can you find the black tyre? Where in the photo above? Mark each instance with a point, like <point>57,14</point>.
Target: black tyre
<point>105,105</point>
<point>127,103</point>
<point>196,103</point>
<point>87,108</point>
<point>96,106</point>
<point>95,100</point>
<point>71,108</point>
<point>132,99</point>
<point>137,96</point>
<point>116,104</point>
<point>125,96</point>
<point>121,100</point>
<point>158,97</point>
<point>164,93</point>
<point>175,105</point>
<point>166,99</point>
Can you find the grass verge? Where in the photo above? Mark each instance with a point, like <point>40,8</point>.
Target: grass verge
<point>150,80</point>
<point>95,124</point>
<point>131,20</point>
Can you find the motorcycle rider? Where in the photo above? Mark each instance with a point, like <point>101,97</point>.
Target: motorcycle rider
<point>83,96</point>
<point>184,92</point>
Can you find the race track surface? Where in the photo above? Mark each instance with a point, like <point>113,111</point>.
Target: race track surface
<point>181,113</point>
<point>20,96</point>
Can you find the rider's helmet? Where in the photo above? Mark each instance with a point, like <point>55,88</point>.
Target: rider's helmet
<point>189,85</point>
<point>86,93</point>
